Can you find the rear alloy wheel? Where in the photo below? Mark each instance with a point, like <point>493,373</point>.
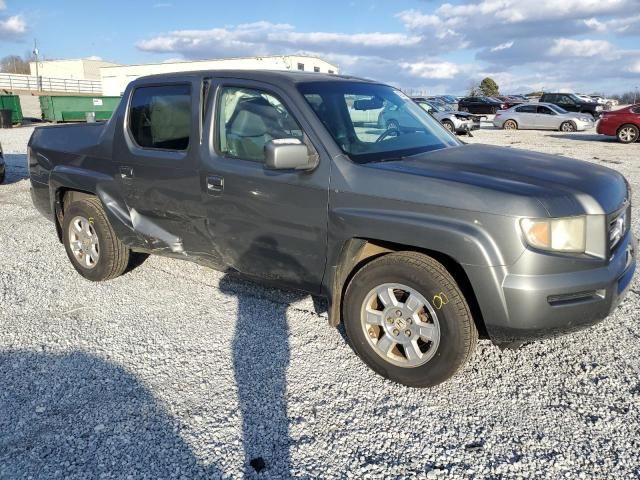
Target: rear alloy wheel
<point>407,319</point>
<point>568,127</point>
<point>448,124</point>
<point>510,125</point>
<point>628,133</point>
<point>91,244</point>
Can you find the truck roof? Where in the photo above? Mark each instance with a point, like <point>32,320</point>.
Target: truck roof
<point>270,76</point>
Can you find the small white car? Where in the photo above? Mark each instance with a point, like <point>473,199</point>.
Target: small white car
<point>542,116</point>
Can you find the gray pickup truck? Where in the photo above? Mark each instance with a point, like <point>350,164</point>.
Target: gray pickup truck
<point>420,243</point>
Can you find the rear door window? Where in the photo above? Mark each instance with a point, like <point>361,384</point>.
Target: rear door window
<point>544,110</point>
<point>160,117</point>
<point>526,109</point>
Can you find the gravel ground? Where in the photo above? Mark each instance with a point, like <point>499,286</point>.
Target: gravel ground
<point>177,371</point>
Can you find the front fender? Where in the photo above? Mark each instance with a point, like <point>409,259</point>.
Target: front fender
<point>464,238</point>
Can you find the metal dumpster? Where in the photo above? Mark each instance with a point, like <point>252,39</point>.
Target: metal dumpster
<point>12,102</point>
<point>74,108</point>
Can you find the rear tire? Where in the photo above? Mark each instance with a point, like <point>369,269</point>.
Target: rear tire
<point>111,256</point>
<point>510,125</point>
<point>450,332</point>
<point>628,133</point>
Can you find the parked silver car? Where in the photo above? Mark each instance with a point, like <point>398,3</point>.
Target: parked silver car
<point>542,116</point>
<point>393,117</point>
<point>449,116</point>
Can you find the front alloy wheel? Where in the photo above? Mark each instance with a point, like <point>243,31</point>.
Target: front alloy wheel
<point>408,320</point>
<point>400,324</point>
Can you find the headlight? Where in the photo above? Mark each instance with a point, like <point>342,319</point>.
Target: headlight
<point>556,234</point>
<point>599,108</point>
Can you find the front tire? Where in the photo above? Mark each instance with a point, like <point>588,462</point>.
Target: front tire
<point>90,242</point>
<point>568,127</point>
<point>628,133</point>
<point>408,320</point>
<point>448,124</point>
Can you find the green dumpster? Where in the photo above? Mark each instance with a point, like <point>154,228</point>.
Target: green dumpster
<point>12,102</point>
<point>74,108</point>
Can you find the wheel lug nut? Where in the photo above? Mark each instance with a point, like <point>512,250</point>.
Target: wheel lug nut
<point>390,320</point>
<point>409,321</point>
<point>396,332</point>
<point>398,313</point>
<point>407,333</point>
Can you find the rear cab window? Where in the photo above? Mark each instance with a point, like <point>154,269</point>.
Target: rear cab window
<point>160,117</point>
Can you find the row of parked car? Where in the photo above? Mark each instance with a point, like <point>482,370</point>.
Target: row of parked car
<point>566,112</point>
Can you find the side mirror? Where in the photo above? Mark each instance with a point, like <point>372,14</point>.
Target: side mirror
<point>288,154</point>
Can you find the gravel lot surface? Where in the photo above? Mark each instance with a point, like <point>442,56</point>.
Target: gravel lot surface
<point>177,371</point>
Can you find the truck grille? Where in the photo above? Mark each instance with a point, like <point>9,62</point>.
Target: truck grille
<point>618,226</point>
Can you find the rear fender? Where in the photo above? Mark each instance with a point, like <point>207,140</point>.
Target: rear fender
<point>66,178</point>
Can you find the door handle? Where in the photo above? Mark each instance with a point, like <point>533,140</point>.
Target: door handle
<point>126,172</point>
<point>215,184</point>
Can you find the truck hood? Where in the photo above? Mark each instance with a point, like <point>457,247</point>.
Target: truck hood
<point>562,185</point>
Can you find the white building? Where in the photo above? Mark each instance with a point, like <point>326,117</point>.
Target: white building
<point>80,69</point>
<point>116,78</point>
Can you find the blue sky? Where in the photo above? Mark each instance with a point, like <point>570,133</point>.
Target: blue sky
<point>583,45</point>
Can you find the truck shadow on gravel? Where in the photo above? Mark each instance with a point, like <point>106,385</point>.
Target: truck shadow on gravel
<point>16,168</point>
<point>261,356</point>
<point>584,137</point>
<point>75,415</point>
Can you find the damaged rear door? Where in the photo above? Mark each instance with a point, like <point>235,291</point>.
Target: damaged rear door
<point>156,152</point>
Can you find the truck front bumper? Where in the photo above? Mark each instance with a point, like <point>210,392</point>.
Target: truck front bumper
<point>518,308</point>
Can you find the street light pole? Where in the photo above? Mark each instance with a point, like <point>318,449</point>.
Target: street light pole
<point>635,94</point>
<point>35,53</point>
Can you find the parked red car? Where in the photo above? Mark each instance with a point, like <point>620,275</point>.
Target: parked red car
<point>623,123</point>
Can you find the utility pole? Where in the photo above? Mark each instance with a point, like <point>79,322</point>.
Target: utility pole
<point>635,94</point>
<point>35,53</point>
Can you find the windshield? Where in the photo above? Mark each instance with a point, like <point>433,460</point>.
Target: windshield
<point>430,106</point>
<point>372,122</point>
<point>556,108</point>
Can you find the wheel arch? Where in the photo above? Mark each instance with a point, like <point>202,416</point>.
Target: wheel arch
<point>358,252</point>
<point>63,197</point>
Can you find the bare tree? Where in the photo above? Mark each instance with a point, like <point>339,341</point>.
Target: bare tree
<point>14,64</point>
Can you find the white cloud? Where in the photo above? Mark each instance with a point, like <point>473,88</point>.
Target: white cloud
<point>511,40</point>
<point>514,11</point>
<point>503,46</point>
<point>12,27</point>
<point>580,48</point>
<point>432,70</point>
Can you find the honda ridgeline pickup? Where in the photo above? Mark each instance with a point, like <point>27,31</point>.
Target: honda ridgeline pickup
<point>419,242</point>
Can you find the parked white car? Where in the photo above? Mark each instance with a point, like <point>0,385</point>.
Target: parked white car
<point>542,116</point>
